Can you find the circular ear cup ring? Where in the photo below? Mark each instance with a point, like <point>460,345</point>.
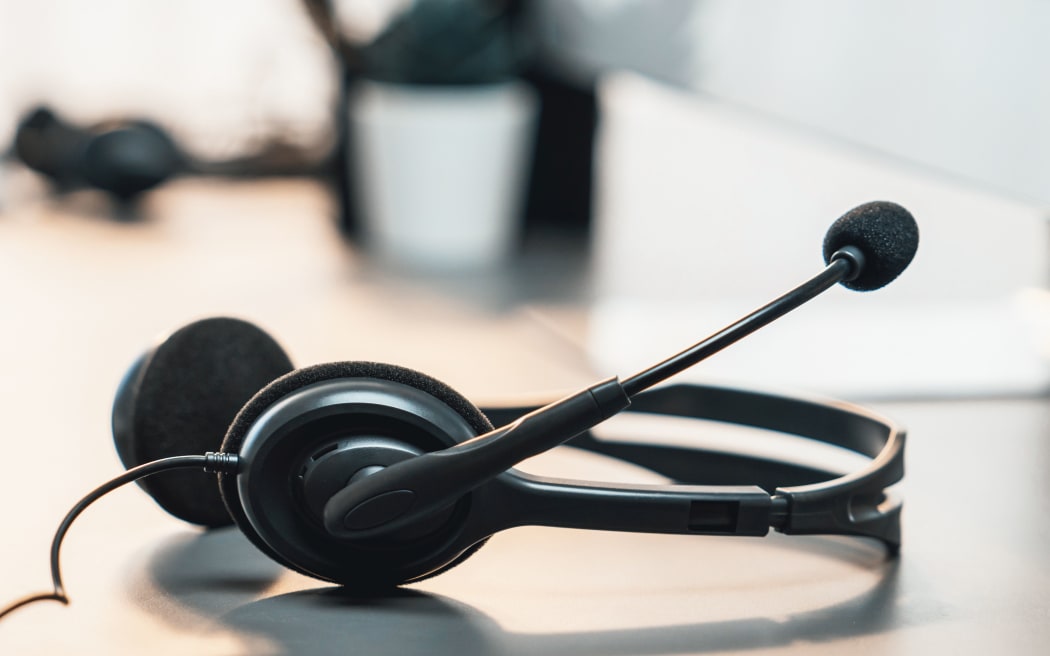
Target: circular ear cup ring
<point>179,399</point>
<point>297,420</point>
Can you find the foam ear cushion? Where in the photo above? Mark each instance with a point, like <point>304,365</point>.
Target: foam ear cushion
<point>180,398</point>
<point>301,378</point>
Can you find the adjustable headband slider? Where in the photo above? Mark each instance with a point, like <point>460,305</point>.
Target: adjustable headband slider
<point>854,505</point>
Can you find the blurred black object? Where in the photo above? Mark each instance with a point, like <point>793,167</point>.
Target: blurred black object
<point>126,158</point>
<point>122,158</point>
<point>562,177</point>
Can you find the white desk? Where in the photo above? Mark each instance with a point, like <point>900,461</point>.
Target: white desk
<point>83,295</point>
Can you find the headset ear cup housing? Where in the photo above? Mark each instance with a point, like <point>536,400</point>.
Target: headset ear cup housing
<point>180,397</point>
<point>362,412</point>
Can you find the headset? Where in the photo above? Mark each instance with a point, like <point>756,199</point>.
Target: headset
<point>123,158</point>
<point>128,157</point>
<point>371,475</point>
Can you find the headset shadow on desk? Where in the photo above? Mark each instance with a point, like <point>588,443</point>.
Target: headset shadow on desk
<point>371,475</point>
<point>199,589</point>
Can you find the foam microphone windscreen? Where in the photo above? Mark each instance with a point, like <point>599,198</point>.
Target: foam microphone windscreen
<point>884,232</point>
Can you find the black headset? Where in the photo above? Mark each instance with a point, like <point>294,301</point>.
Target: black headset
<point>373,475</point>
<point>302,436</point>
<point>123,158</point>
<point>128,157</point>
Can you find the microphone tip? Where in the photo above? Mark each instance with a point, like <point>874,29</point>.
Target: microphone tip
<point>885,233</point>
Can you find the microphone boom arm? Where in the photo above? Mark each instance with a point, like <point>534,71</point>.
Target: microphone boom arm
<point>845,265</point>
<point>399,495</point>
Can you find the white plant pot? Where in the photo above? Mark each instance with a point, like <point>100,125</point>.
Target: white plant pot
<point>440,171</point>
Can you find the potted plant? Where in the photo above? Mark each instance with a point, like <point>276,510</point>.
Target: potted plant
<point>442,132</point>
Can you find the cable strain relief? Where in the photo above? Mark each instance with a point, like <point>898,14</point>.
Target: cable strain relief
<point>855,257</point>
<point>221,463</point>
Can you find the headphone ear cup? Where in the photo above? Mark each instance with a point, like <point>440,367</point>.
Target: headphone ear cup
<point>129,158</point>
<point>179,399</point>
<point>366,567</point>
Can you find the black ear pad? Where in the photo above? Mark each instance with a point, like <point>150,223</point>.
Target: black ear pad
<point>301,378</point>
<point>180,398</point>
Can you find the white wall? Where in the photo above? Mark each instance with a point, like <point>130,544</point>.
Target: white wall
<point>962,86</point>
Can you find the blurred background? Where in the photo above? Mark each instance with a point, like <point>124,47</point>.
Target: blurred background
<point>519,197</point>
<point>616,153</point>
<point>226,78</point>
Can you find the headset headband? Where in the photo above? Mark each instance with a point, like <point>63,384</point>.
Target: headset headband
<point>793,498</point>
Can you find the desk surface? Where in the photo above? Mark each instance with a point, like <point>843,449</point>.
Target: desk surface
<point>83,295</point>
